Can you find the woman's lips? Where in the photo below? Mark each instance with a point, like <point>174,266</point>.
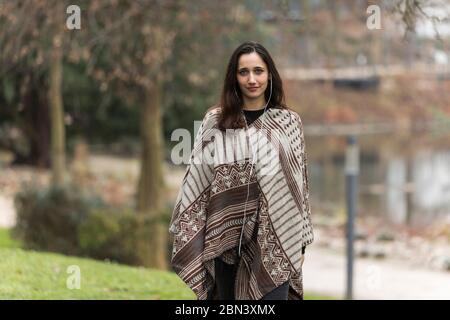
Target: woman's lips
<point>252,89</point>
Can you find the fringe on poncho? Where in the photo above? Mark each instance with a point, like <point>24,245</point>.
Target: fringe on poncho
<point>209,210</point>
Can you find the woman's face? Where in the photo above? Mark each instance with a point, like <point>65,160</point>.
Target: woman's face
<point>252,75</point>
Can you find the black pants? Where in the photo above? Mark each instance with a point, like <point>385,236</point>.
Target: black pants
<point>225,276</point>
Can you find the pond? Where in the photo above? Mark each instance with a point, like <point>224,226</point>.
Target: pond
<point>404,177</point>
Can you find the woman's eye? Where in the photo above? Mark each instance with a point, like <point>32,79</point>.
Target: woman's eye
<point>245,72</point>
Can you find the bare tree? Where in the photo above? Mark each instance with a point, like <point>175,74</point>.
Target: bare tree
<point>33,38</point>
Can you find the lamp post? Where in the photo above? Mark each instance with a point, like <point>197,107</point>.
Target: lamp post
<point>351,178</point>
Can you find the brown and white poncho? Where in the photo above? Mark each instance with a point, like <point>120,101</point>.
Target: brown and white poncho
<point>209,209</point>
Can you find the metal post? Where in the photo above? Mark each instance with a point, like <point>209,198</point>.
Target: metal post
<point>351,176</point>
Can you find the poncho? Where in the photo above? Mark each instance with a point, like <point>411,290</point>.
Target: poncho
<point>209,209</point>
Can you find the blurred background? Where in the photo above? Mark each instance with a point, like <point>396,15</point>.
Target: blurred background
<point>91,91</point>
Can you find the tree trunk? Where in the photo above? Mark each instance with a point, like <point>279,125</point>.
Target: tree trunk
<point>34,122</point>
<point>306,43</point>
<point>56,112</point>
<point>38,120</point>
<point>151,185</point>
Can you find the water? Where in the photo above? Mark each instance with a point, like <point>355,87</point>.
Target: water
<point>404,177</point>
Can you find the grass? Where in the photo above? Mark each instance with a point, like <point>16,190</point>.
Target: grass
<point>29,274</point>
<point>36,275</point>
<point>6,241</point>
<point>314,296</point>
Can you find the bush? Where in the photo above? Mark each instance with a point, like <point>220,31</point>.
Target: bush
<point>117,234</point>
<point>48,218</point>
<point>69,221</point>
<point>103,235</point>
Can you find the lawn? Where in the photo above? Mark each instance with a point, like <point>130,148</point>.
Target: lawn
<point>6,241</point>
<point>41,275</point>
<point>36,275</point>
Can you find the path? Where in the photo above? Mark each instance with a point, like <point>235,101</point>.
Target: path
<point>324,272</point>
<point>7,212</point>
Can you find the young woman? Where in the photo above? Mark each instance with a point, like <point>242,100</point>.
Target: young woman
<point>242,217</point>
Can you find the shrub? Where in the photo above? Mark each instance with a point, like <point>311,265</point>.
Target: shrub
<point>118,234</point>
<point>48,218</point>
<point>102,236</point>
<point>70,221</point>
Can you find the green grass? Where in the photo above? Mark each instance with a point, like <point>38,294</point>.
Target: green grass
<point>36,275</point>
<point>314,296</point>
<point>6,241</point>
<point>29,274</point>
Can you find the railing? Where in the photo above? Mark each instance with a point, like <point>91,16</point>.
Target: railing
<point>364,71</point>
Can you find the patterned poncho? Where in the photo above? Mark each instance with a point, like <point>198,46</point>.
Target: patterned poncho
<point>209,210</point>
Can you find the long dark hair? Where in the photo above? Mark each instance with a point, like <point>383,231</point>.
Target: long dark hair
<point>230,115</point>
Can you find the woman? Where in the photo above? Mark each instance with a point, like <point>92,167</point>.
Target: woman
<point>242,217</point>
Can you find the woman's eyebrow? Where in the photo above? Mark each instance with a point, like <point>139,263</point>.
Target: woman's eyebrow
<point>245,68</point>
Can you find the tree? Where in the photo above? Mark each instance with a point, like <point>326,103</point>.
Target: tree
<point>32,39</point>
<point>137,42</point>
<point>134,40</point>
<point>411,11</point>
<point>58,154</point>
